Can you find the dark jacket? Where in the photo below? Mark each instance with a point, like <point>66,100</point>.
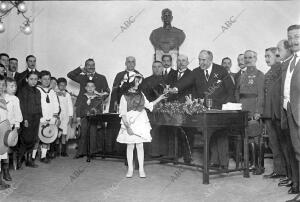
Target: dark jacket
<point>30,102</point>
<point>152,87</point>
<point>21,78</point>
<point>219,87</point>
<point>78,76</point>
<point>170,78</point>
<point>272,92</point>
<point>185,92</point>
<point>116,93</point>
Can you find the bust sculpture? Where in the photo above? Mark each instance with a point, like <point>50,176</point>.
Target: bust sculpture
<point>167,39</point>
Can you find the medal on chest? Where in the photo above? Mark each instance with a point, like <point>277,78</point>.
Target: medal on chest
<point>251,79</point>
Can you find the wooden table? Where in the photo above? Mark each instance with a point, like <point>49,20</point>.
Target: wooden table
<point>96,119</point>
<point>207,122</point>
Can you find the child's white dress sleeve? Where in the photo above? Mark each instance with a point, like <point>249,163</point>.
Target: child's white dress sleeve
<point>148,105</point>
<point>123,106</point>
<point>18,113</point>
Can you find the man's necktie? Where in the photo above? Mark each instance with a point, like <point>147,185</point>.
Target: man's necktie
<point>179,75</point>
<point>166,73</point>
<point>293,64</point>
<point>206,75</point>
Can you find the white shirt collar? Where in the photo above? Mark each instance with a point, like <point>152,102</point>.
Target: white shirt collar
<point>287,58</point>
<point>183,70</point>
<point>168,69</point>
<point>31,69</point>
<point>209,69</point>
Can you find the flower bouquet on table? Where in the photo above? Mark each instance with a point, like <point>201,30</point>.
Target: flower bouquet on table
<point>176,112</point>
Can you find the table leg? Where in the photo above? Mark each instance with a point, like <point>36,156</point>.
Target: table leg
<point>88,155</point>
<point>206,156</point>
<point>104,140</point>
<point>246,153</point>
<point>176,147</point>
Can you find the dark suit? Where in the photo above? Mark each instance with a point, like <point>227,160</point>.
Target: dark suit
<point>153,87</point>
<point>271,114</point>
<point>78,76</point>
<point>184,92</point>
<point>10,74</point>
<point>237,76</point>
<point>219,86</point>
<point>21,78</point>
<point>116,94</point>
<point>185,135</point>
<point>290,116</point>
<point>171,77</point>
<point>220,89</point>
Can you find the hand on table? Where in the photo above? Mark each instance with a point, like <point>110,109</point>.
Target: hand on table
<point>256,116</point>
<point>26,123</point>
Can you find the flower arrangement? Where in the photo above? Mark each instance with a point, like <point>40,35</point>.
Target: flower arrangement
<point>176,108</point>
<point>176,112</point>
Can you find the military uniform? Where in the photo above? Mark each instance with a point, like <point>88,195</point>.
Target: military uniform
<point>250,92</point>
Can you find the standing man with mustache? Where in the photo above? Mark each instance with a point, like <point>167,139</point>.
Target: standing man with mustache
<point>250,92</point>
<point>271,112</point>
<point>285,55</point>
<point>291,96</point>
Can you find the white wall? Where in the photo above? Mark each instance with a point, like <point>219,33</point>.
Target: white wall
<point>66,33</point>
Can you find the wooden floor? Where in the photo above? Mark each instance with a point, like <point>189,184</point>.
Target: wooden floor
<point>66,179</point>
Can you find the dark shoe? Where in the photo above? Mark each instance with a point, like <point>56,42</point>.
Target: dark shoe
<point>64,150</point>
<point>3,185</point>
<point>77,156</point>
<point>223,167</point>
<point>288,183</point>
<point>273,175</point>
<point>213,165</point>
<point>45,160</point>
<point>30,163</point>
<point>295,199</point>
<point>258,171</point>
<point>294,189</point>
<point>51,155</point>
<point>187,161</point>
<point>284,179</point>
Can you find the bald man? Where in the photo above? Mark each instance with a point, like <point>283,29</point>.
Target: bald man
<point>116,94</point>
<point>207,76</point>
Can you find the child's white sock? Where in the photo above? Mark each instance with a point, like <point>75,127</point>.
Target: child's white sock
<point>129,155</point>
<point>140,155</point>
<point>44,152</point>
<point>34,153</point>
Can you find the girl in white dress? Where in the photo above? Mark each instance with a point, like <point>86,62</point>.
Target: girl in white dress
<point>135,127</point>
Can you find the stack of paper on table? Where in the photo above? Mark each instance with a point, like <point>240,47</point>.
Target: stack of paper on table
<point>232,106</point>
